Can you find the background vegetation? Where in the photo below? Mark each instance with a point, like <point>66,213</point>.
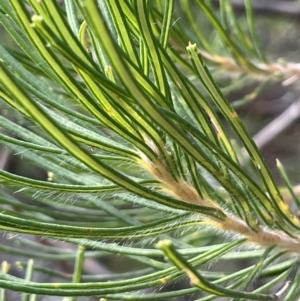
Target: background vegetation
<point>128,165</point>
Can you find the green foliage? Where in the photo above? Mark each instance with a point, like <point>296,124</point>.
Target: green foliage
<point>118,104</point>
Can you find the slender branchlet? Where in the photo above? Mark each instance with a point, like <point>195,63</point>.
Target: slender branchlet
<point>177,188</point>
<point>185,192</point>
<point>288,72</point>
<point>264,238</point>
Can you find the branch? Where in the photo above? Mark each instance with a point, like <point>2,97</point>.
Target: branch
<point>278,125</point>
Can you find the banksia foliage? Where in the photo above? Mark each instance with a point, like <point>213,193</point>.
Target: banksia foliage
<point>117,102</point>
